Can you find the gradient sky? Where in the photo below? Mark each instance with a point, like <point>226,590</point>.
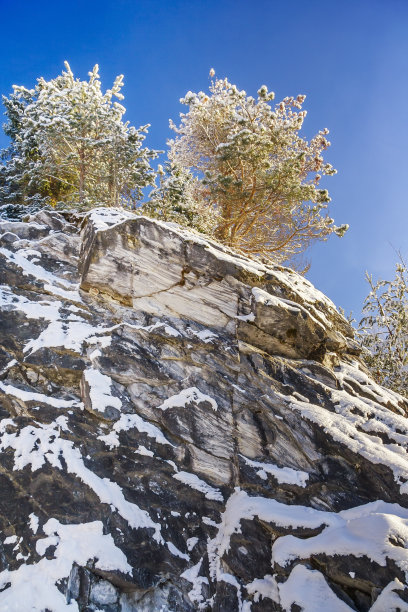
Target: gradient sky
<point>350,57</point>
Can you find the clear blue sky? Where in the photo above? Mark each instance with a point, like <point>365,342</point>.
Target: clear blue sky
<point>350,57</point>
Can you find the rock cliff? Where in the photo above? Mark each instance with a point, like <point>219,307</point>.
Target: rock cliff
<point>185,429</point>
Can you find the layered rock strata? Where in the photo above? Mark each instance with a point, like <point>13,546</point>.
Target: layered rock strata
<point>186,429</point>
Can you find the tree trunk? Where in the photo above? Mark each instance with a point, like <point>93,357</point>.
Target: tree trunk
<point>82,174</point>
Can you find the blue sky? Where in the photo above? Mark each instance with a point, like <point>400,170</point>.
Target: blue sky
<point>350,57</point>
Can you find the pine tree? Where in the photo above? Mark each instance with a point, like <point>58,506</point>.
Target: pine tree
<point>383,330</point>
<point>177,199</point>
<point>69,143</point>
<point>13,180</point>
<point>255,169</point>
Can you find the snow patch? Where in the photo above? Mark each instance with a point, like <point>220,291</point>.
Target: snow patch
<point>309,590</point>
<point>37,445</point>
<point>36,583</point>
<point>107,218</point>
<point>34,522</point>
<point>54,284</point>
<point>199,485</point>
<point>285,475</point>
<point>365,531</point>
<point>69,334</point>
<point>128,421</point>
<point>192,575</point>
<point>100,390</point>
<point>176,552</point>
<point>191,542</point>
<point>185,397</point>
<point>266,299</point>
<point>353,417</point>
<point>30,396</point>
<point>206,335</point>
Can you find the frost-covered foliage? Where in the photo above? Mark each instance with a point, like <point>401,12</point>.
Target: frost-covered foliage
<point>177,199</point>
<point>384,330</point>
<point>69,143</point>
<point>255,169</point>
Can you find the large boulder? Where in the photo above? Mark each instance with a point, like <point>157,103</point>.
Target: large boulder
<point>163,270</point>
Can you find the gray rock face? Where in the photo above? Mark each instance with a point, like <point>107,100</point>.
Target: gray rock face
<point>185,429</point>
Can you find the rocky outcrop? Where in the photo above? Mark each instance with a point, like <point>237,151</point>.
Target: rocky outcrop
<point>186,429</point>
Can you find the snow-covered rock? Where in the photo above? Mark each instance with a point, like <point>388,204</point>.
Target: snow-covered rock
<point>184,429</point>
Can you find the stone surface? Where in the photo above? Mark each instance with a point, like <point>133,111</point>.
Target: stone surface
<point>185,429</point>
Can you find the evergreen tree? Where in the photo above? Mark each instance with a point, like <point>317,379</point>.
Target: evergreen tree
<point>178,199</point>
<point>257,172</point>
<point>69,143</point>
<point>383,330</point>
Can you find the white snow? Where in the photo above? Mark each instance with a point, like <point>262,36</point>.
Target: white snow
<point>72,332</point>
<point>107,218</point>
<point>67,331</point>
<point>111,439</point>
<point>41,309</point>
<point>100,390</point>
<point>176,552</point>
<point>389,601</point>
<point>302,287</point>
<point>37,445</point>
<point>347,371</point>
<point>241,506</point>
<point>206,335</point>
<point>30,396</point>
<point>345,424</point>
<point>192,575</point>
<point>285,475</point>
<point>344,531</point>
<point>239,388</point>
<point>196,483</point>
<point>309,590</point>
<point>377,530</point>
<point>34,522</point>
<point>54,284</point>
<point>185,397</point>
<point>207,521</point>
<point>168,329</point>
<point>36,583</point>
<point>265,587</point>
<point>142,450</point>
<point>365,531</point>
<point>266,299</point>
<point>8,366</point>
<point>191,542</point>
<point>128,421</point>
<point>69,334</point>
<point>95,354</point>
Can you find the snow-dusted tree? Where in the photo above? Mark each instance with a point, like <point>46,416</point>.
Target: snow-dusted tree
<point>258,172</point>
<point>69,142</point>
<point>13,184</point>
<point>178,199</point>
<point>384,330</point>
